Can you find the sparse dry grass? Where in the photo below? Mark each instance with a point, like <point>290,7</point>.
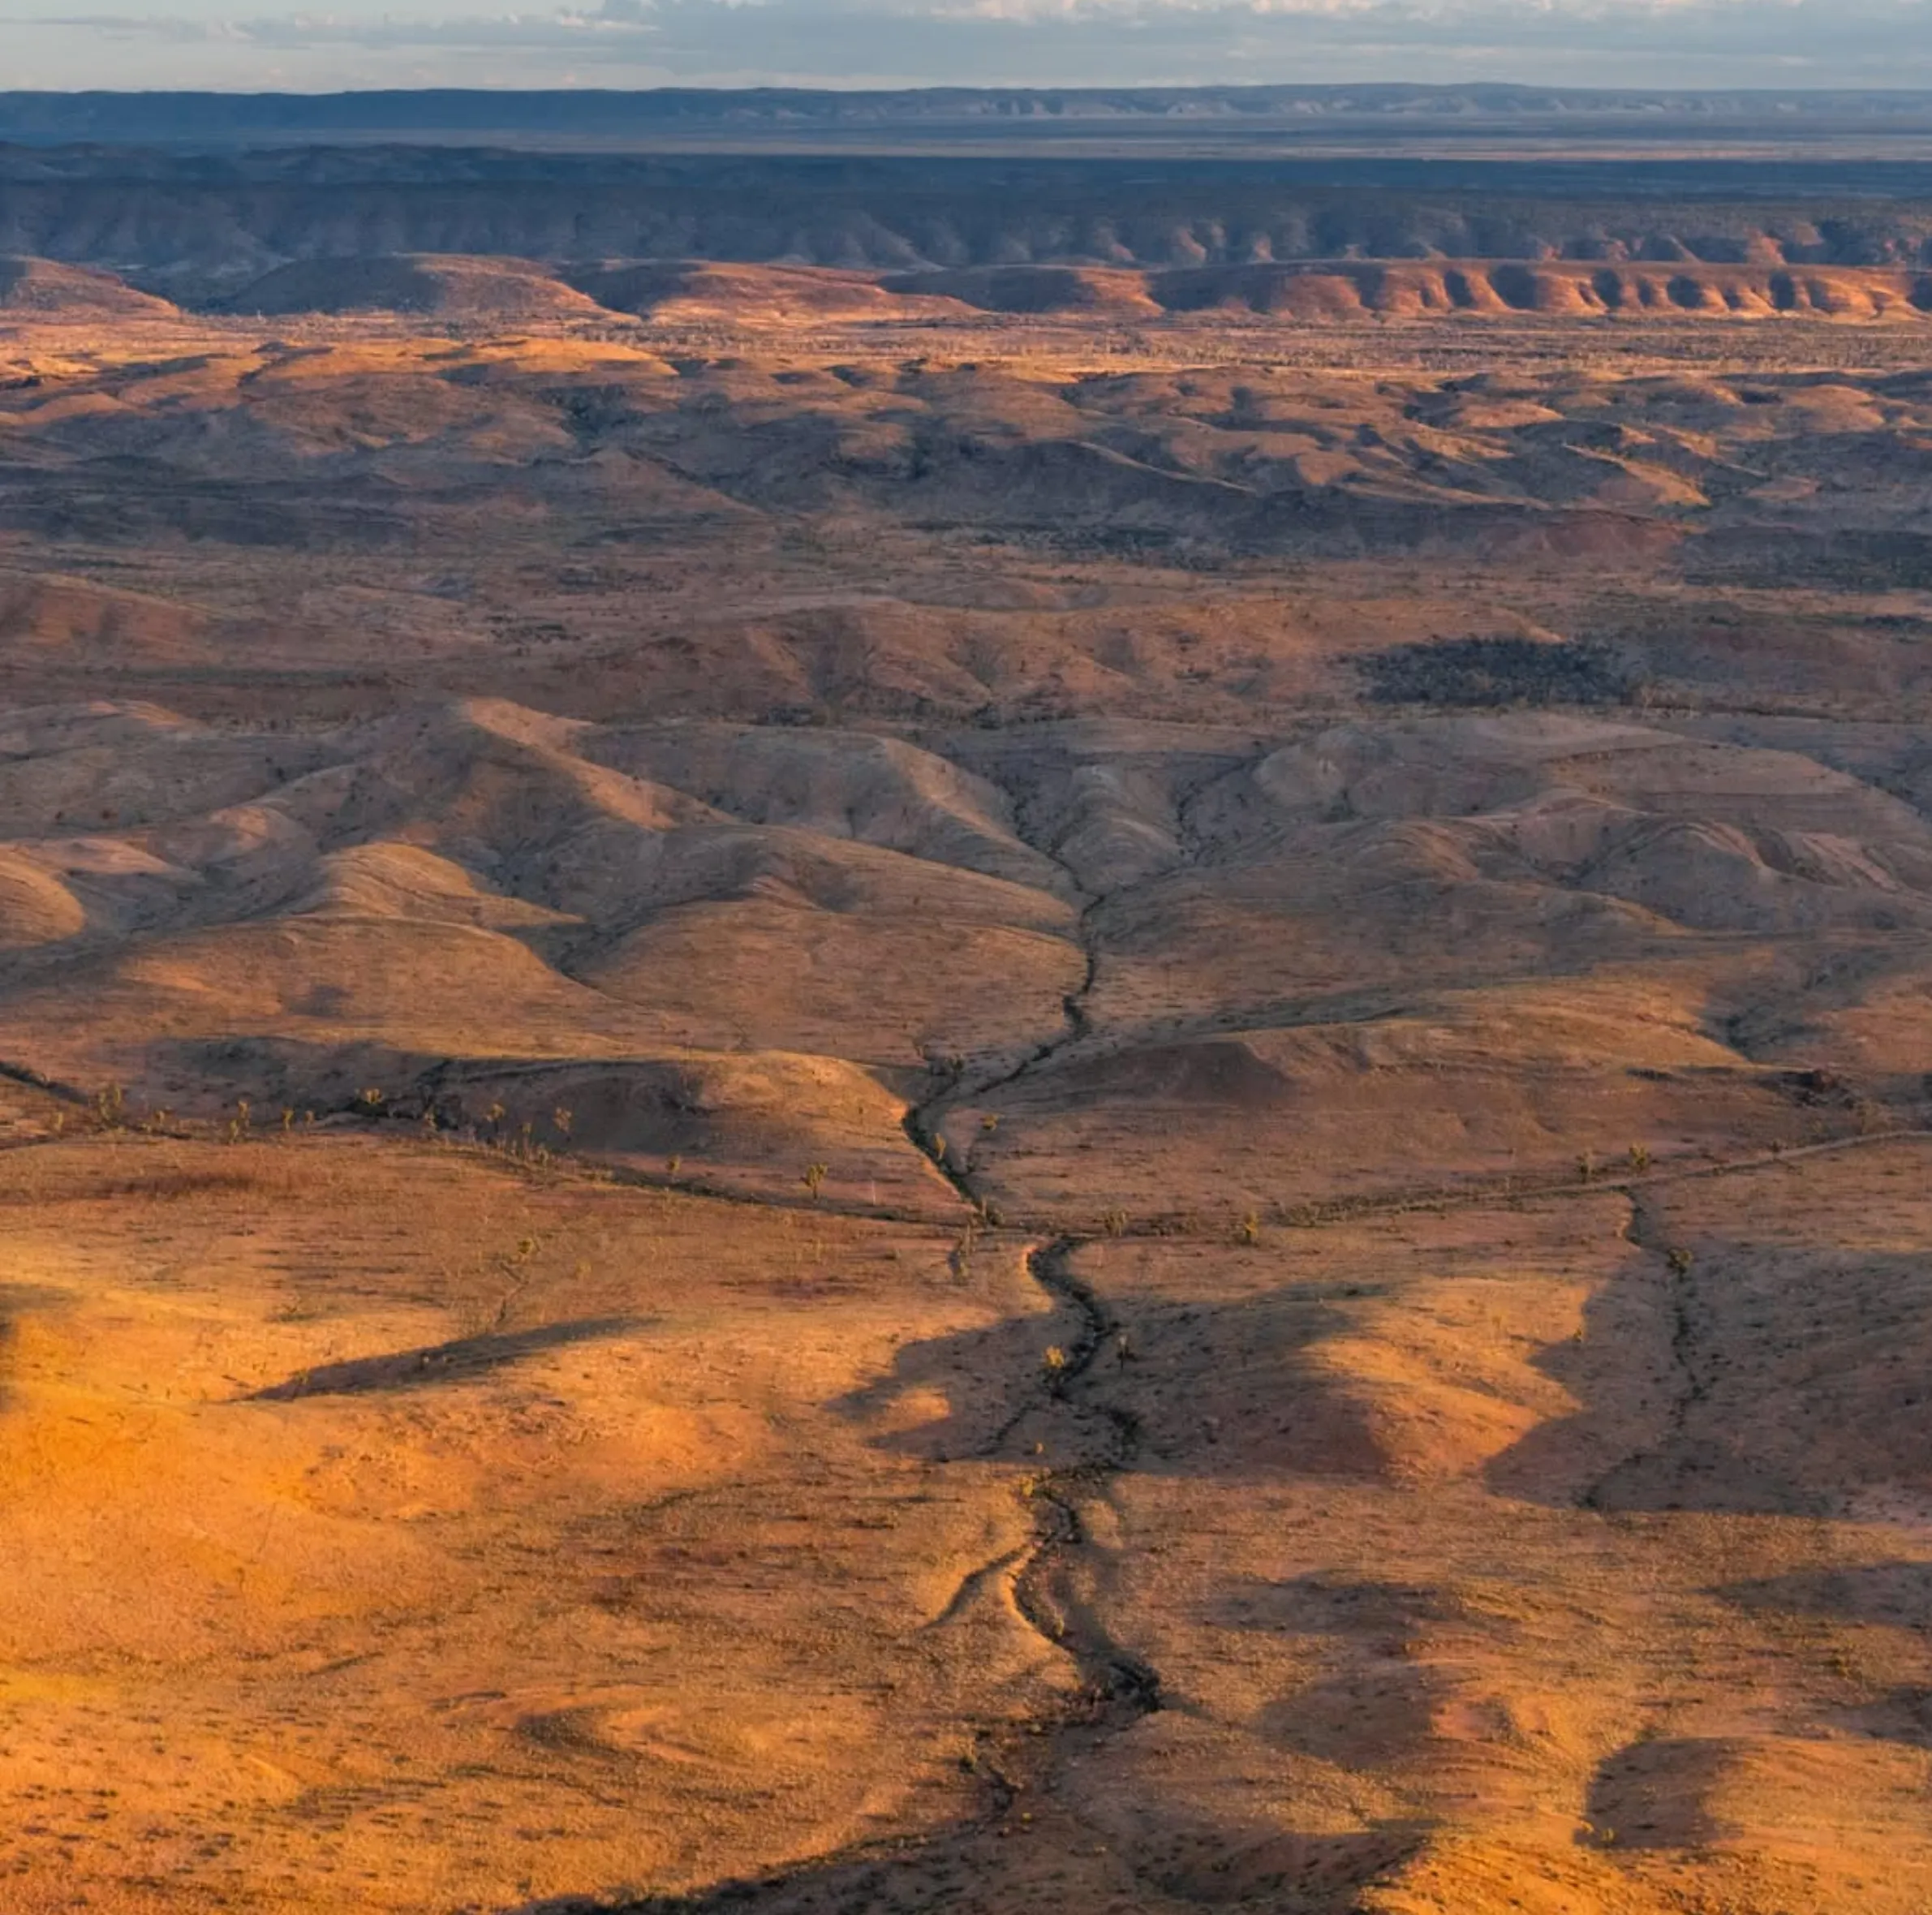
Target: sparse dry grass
<point>727,880</point>
<point>609,1436</point>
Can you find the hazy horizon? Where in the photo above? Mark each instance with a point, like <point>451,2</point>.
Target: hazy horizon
<point>222,45</point>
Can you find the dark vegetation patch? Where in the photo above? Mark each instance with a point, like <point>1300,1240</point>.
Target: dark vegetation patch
<point>1161,546</point>
<point>1498,671</point>
<point>129,503</point>
<point>1843,560</point>
<point>165,1184</point>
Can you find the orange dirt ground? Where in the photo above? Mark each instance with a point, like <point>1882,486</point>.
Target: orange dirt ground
<point>809,1109</point>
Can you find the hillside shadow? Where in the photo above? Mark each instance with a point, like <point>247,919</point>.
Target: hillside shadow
<point>1888,1595</point>
<point>986,1377</point>
<point>15,1301</point>
<point>460,1360</point>
<point>1652,1795</point>
<point>1322,1605</point>
<point>979,1868</point>
<point>1728,1411</point>
<point>966,1869</point>
<point>1680,1376</point>
<point>1895,1593</point>
<point>1206,1388</point>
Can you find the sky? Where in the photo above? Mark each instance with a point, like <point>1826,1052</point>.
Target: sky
<point>270,44</point>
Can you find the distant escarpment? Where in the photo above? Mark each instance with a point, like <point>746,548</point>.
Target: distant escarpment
<point>463,291</point>
<point>1308,291</point>
<point>1339,290</point>
<point>199,228</point>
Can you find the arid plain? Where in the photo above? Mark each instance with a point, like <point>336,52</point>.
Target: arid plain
<point>830,1089</point>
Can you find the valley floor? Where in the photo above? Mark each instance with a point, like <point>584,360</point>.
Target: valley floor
<point>804,1130</point>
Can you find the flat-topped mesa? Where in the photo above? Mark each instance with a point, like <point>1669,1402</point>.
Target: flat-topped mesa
<point>470,290</point>
<point>1339,290</point>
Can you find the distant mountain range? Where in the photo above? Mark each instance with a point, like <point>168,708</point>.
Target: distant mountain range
<point>212,119</point>
<point>195,196</point>
<point>197,226</point>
